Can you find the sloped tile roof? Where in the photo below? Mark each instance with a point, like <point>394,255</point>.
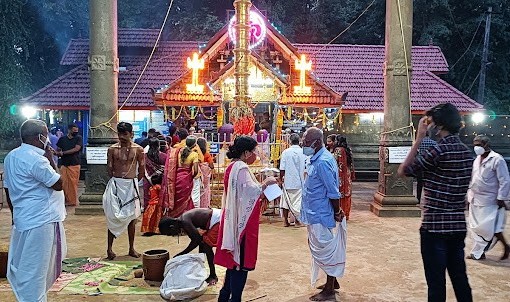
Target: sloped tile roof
<point>358,70</point>
<point>355,69</point>
<point>138,37</point>
<point>78,50</point>
<point>72,90</point>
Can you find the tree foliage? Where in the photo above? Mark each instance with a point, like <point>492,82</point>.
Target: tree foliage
<point>35,33</point>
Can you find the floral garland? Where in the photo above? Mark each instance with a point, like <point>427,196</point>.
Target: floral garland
<point>211,117</point>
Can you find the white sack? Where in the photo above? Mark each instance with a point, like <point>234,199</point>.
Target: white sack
<point>184,277</point>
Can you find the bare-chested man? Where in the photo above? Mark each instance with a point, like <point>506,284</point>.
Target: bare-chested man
<point>121,199</point>
<point>208,221</point>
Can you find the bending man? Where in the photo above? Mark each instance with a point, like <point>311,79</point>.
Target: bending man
<point>206,220</point>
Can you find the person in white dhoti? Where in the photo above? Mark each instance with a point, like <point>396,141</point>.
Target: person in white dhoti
<point>292,173</point>
<point>34,194</point>
<point>121,199</point>
<point>321,212</point>
<point>489,188</point>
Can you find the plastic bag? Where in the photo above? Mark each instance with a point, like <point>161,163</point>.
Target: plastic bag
<point>184,277</point>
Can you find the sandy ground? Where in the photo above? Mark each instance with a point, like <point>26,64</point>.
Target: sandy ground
<point>383,259</point>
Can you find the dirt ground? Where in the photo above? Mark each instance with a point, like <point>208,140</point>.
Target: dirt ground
<point>383,259</point>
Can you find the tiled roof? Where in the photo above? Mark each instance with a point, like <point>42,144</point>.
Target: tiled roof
<point>72,90</point>
<point>138,37</point>
<point>78,50</point>
<point>355,69</point>
<point>358,70</point>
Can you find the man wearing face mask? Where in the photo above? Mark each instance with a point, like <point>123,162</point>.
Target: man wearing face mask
<point>489,187</point>
<point>69,148</point>
<point>37,244</point>
<point>320,211</point>
<point>446,170</point>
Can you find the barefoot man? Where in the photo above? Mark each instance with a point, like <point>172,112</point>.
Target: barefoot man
<point>208,221</point>
<point>121,199</point>
<point>320,211</point>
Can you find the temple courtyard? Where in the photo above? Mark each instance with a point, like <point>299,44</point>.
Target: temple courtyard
<point>383,259</point>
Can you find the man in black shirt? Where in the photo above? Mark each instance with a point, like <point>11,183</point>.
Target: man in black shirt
<point>69,148</point>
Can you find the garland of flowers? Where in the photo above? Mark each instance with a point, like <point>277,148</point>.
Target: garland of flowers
<point>192,115</point>
<point>243,120</point>
<point>178,115</point>
<point>306,116</point>
<point>211,117</point>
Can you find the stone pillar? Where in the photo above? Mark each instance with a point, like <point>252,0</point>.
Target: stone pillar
<point>104,68</point>
<point>395,195</point>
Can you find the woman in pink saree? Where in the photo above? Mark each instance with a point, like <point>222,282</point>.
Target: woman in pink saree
<point>180,169</point>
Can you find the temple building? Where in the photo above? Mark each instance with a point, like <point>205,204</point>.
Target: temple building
<point>333,86</point>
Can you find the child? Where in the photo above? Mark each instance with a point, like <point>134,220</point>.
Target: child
<point>154,211</point>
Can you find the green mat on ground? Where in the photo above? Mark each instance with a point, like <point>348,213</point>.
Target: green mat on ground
<point>116,277</point>
<point>99,280</point>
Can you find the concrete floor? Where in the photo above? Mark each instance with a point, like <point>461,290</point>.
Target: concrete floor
<point>383,259</point>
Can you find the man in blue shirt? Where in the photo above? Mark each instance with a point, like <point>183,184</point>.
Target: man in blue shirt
<point>320,210</point>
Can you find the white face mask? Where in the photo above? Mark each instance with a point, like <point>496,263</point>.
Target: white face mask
<point>45,142</point>
<point>309,151</point>
<point>479,150</point>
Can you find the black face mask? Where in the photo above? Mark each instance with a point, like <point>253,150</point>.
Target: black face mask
<point>73,134</point>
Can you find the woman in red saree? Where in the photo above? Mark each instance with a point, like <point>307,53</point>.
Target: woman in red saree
<point>154,163</point>
<point>206,168</point>
<point>343,157</point>
<point>180,169</point>
<point>237,244</point>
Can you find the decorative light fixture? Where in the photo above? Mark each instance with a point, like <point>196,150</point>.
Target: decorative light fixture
<point>302,65</point>
<point>258,29</point>
<point>195,64</point>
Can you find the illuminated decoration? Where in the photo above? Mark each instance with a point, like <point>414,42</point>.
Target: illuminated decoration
<point>478,117</point>
<point>279,123</point>
<point>242,114</point>
<point>256,79</point>
<point>302,65</point>
<point>258,30</point>
<point>195,64</point>
<point>28,112</point>
<point>219,114</point>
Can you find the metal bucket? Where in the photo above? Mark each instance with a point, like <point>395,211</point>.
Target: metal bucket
<point>153,263</point>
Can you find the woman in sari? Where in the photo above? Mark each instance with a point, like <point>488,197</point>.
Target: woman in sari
<point>154,163</point>
<point>237,243</point>
<point>343,157</point>
<point>206,167</point>
<point>180,169</point>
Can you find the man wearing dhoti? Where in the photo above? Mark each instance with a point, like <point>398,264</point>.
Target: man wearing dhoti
<point>292,173</point>
<point>34,194</point>
<point>121,199</point>
<point>320,211</point>
<point>489,188</point>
